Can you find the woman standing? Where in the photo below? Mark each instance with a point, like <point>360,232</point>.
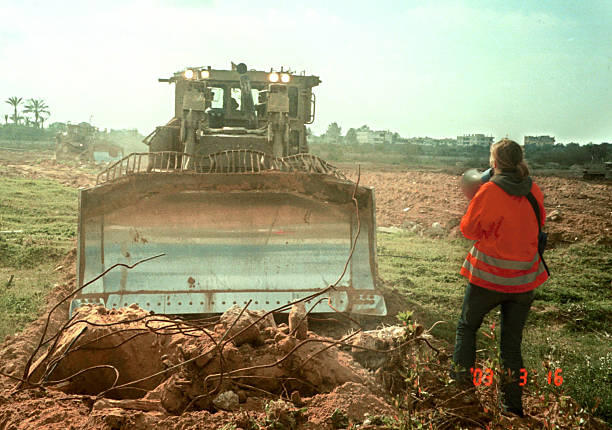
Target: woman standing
<point>503,267</point>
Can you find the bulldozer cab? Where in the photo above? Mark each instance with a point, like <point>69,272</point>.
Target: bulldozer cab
<point>239,92</point>
<point>230,195</point>
<point>227,100</point>
<point>269,109</point>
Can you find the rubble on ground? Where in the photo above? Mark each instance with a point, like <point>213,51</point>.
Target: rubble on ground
<point>245,351</point>
<point>129,369</point>
<point>148,367</point>
<point>554,215</point>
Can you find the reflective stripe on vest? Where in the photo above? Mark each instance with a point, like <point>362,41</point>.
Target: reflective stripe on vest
<point>507,265</point>
<point>503,264</point>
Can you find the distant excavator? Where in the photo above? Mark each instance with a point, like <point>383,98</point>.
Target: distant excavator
<point>85,143</point>
<point>230,195</point>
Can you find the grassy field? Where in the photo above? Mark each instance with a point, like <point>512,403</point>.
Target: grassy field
<point>37,227</point>
<point>569,327</point>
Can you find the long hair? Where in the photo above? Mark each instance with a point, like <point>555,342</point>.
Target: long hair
<point>509,157</point>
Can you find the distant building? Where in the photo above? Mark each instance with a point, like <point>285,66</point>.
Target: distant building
<point>362,136</point>
<point>475,139</point>
<point>374,137</point>
<point>428,141</point>
<point>539,140</point>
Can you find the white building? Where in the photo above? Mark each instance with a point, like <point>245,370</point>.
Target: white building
<point>539,140</point>
<point>372,137</point>
<point>475,139</point>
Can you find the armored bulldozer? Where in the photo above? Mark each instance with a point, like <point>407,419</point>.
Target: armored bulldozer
<point>230,195</point>
<point>602,170</point>
<point>85,143</point>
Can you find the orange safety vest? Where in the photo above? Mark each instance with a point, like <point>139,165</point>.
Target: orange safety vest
<point>505,256</point>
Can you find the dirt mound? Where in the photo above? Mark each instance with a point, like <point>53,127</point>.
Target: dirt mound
<point>49,169</point>
<point>234,363</point>
<point>43,410</point>
<point>97,346</point>
<point>584,209</point>
<point>354,401</point>
<point>244,352</point>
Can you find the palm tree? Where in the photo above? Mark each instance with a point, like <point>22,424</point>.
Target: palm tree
<point>37,107</point>
<point>17,119</point>
<point>42,120</point>
<point>14,101</point>
<point>5,119</point>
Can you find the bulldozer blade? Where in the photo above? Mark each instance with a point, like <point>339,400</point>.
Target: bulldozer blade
<point>271,237</point>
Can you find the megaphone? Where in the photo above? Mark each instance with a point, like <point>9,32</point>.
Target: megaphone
<point>472,179</point>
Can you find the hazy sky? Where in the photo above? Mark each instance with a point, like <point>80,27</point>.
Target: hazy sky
<point>435,68</point>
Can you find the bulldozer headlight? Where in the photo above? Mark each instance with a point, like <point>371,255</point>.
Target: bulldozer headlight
<point>273,77</point>
<point>188,74</point>
<point>285,78</point>
<point>204,74</point>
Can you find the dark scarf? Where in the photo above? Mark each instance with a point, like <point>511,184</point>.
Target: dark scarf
<point>511,182</point>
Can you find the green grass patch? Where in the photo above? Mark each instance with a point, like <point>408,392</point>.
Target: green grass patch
<point>38,221</point>
<point>569,326</point>
<point>20,303</point>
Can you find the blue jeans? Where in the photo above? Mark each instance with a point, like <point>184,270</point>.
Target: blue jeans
<point>477,303</point>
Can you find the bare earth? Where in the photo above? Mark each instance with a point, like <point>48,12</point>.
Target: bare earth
<point>403,198</point>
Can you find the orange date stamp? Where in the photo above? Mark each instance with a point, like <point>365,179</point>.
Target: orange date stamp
<point>485,377</point>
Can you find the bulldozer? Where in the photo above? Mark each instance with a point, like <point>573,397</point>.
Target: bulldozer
<point>241,211</point>
<point>85,143</point>
<point>598,171</point>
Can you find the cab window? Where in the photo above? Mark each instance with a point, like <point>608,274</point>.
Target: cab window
<point>217,97</point>
<point>255,93</point>
<point>235,100</point>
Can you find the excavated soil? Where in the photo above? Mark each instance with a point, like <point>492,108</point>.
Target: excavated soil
<point>50,169</point>
<point>129,368</point>
<point>577,210</point>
